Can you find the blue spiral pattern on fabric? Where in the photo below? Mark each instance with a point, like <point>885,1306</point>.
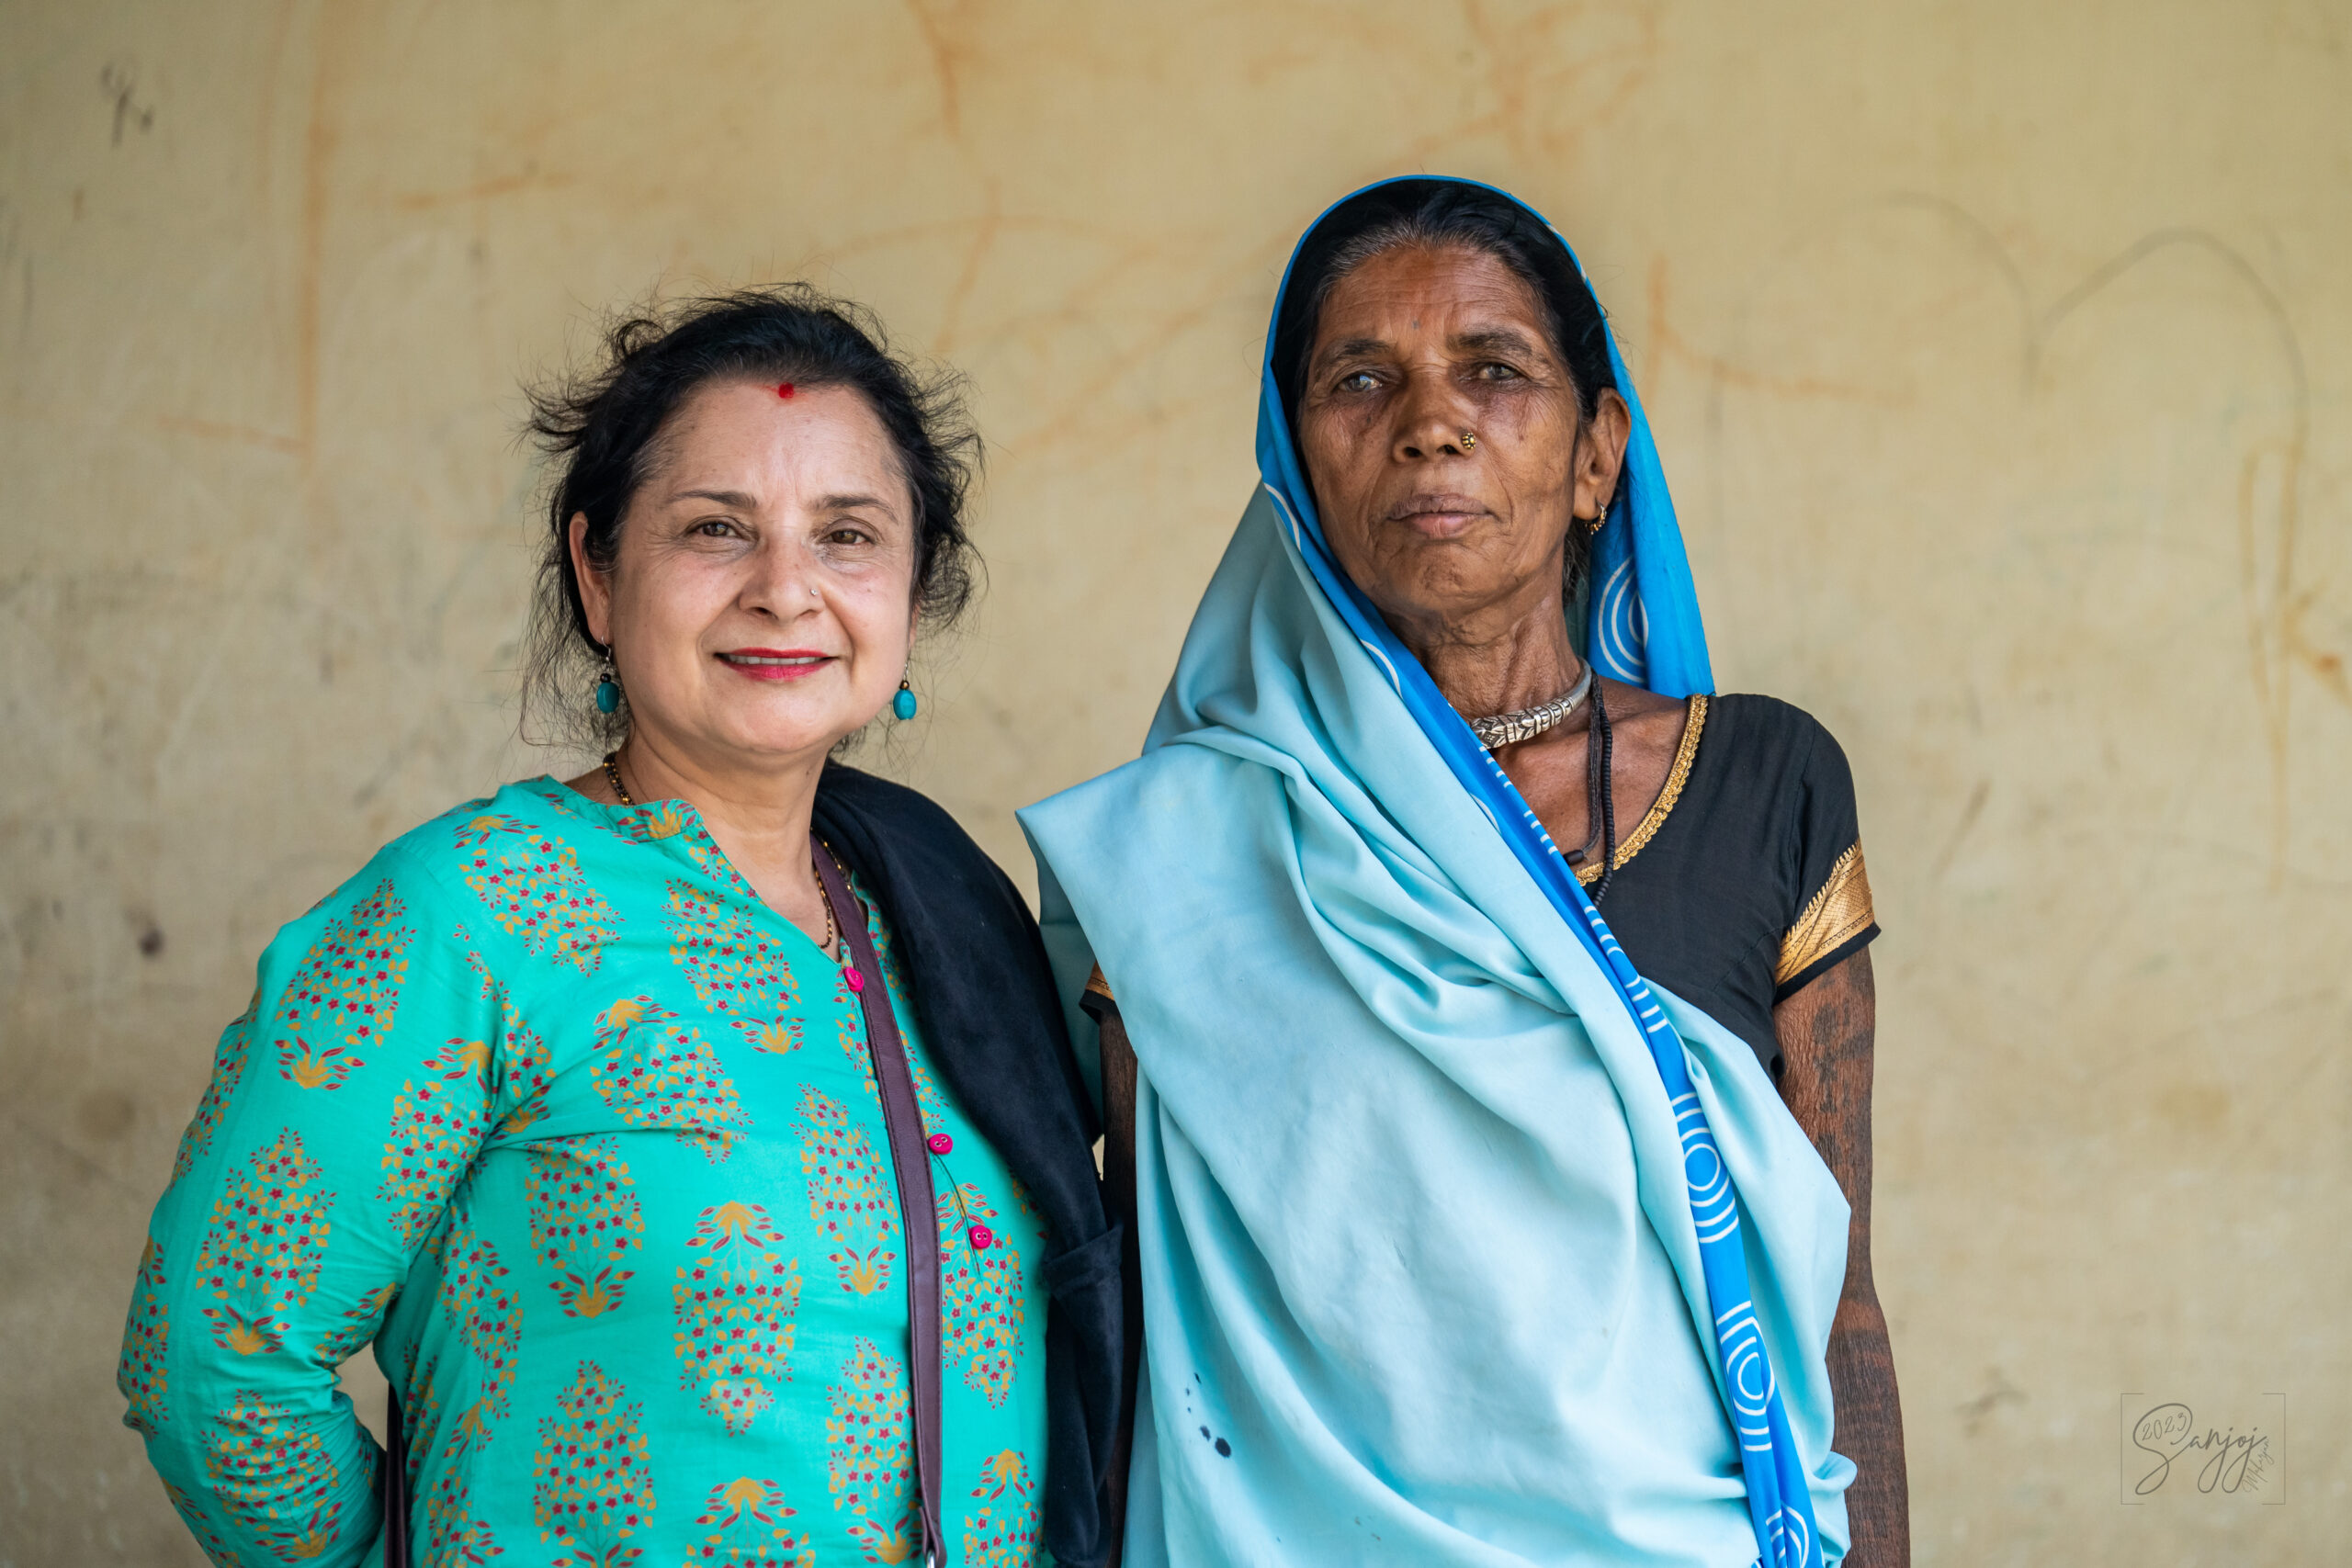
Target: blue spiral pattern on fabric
<point>1617,639</point>
<point>1629,604</point>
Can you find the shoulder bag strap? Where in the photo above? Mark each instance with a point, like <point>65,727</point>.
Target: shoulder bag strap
<point>910,1158</point>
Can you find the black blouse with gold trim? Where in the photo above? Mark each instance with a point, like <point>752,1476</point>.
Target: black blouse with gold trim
<point>1744,882</point>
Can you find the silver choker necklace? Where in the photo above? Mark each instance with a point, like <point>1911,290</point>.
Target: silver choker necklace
<point>1510,728</point>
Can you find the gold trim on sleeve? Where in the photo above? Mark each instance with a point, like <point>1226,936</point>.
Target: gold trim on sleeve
<point>1838,914</point>
<point>1655,817</point>
<point>1099,986</point>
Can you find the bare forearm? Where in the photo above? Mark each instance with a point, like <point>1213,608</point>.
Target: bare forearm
<point>1827,1034</point>
<point>1870,1432</point>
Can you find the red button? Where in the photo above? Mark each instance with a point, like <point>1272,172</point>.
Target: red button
<point>856,981</point>
<point>981,1237</point>
<point>940,1143</point>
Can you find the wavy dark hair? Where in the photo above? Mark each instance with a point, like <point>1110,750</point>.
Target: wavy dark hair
<point>602,427</point>
<point>1436,214</point>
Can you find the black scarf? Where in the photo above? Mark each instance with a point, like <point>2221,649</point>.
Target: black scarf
<point>992,1022</point>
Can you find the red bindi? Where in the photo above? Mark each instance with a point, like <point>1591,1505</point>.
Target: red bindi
<point>784,389</point>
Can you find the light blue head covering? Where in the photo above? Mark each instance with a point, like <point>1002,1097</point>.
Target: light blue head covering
<point>1462,1244</point>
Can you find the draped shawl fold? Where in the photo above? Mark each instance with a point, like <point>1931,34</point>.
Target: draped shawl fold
<point>1461,1244</point>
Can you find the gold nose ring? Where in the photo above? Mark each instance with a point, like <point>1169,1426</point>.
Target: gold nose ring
<point>1469,441</point>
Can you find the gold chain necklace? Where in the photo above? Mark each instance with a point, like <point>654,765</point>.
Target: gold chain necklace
<point>832,943</point>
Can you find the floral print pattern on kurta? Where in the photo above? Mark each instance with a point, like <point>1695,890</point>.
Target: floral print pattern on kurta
<point>584,1138</point>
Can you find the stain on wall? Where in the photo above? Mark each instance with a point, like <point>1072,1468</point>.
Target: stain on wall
<point>2001,357</point>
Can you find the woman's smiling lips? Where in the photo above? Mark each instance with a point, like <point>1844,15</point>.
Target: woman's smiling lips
<point>775,663</point>
<point>1444,517</point>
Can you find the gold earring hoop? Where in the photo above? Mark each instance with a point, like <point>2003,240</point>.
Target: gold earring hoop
<point>1469,441</point>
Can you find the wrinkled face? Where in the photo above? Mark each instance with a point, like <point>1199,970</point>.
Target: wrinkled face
<point>761,604</point>
<point>1415,348</point>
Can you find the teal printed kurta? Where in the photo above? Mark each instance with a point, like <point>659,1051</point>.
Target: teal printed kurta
<point>548,1104</point>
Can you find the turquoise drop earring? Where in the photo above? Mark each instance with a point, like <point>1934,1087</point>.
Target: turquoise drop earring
<point>904,704</point>
<point>608,686</point>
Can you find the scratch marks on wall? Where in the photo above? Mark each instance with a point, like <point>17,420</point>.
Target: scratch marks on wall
<point>2269,503</point>
<point>1552,74</point>
<point>2268,506</point>
<point>529,178</point>
<point>982,242</point>
<point>1977,238</point>
<point>1080,411</point>
<point>1665,341</point>
<point>243,434</point>
<point>1969,816</point>
<point>133,111</point>
<point>988,307</point>
<point>1998,1393</point>
<point>951,30</point>
<point>320,136</point>
<point>16,261</point>
<point>2225,459</point>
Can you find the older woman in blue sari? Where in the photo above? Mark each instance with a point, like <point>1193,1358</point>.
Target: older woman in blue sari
<point>1486,1013</point>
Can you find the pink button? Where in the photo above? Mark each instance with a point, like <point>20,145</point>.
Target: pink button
<point>981,1237</point>
<point>940,1143</point>
<point>856,981</point>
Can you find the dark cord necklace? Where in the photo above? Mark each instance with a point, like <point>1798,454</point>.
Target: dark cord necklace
<point>1600,796</point>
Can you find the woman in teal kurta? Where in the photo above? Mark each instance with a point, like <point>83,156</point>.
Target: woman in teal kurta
<point>568,1101</point>
<point>548,1076</point>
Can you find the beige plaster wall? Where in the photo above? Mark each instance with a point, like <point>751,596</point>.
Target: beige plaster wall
<point>2000,353</point>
